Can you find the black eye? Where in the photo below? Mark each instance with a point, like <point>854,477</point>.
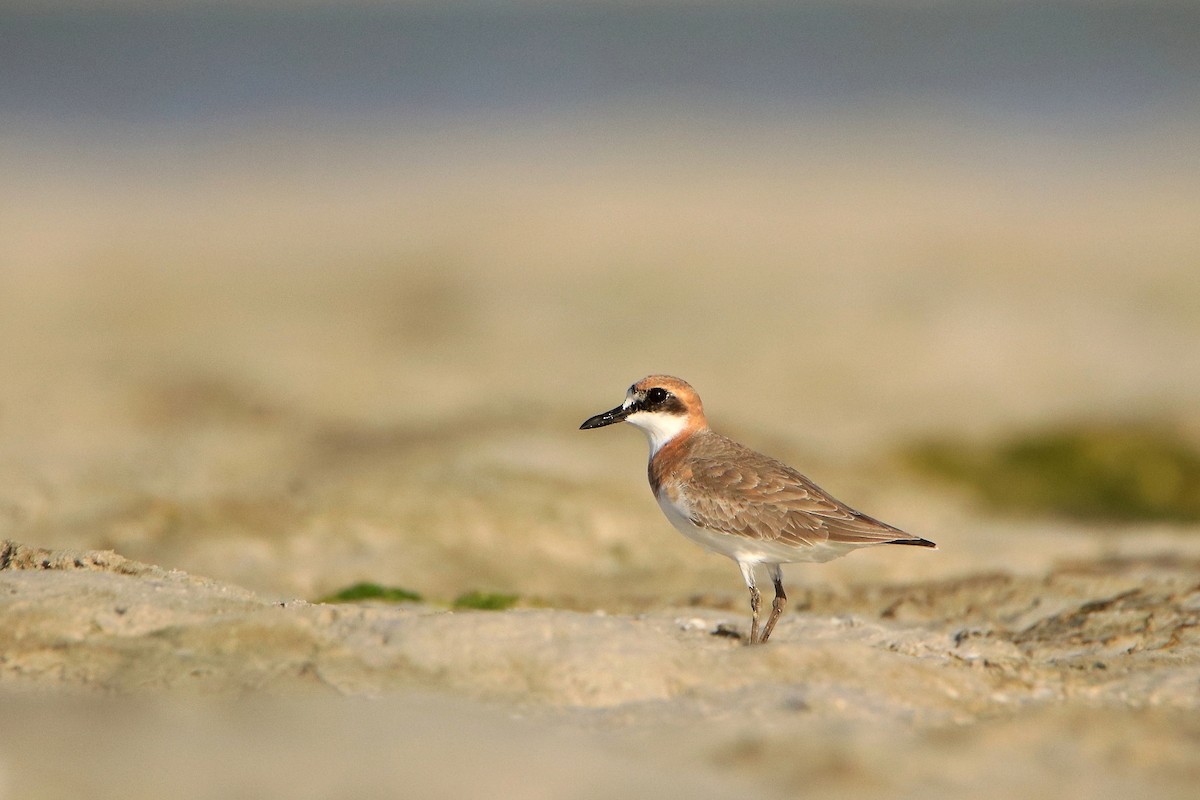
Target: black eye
<point>656,395</point>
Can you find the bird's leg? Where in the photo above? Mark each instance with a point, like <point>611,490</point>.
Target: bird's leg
<point>777,604</point>
<point>755,600</point>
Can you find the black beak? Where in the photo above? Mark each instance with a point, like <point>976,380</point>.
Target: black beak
<point>618,414</point>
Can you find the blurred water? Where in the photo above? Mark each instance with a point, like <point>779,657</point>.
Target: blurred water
<point>1060,61</point>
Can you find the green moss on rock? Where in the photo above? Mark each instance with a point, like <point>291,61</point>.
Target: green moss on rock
<point>371,591</point>
<point>1125,472</point>
<point>485,601</point>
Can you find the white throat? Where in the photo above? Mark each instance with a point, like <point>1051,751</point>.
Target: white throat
<point>659,427</point>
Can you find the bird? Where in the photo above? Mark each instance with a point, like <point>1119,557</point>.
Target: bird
<point>736,501</point>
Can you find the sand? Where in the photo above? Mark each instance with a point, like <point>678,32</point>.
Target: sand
<point>1080,683</point>
<point>244,371</point>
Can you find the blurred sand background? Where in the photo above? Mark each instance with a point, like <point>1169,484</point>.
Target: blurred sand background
<point>302,295</point>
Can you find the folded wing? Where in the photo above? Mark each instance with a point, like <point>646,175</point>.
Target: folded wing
<point>733,489</point>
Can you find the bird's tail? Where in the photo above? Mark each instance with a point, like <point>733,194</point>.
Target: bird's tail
<point>915,541</point>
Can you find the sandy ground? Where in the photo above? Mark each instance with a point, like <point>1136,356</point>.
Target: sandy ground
<point>1082,683</point>
<point>242,373</point>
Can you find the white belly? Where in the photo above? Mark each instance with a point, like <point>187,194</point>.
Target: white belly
<point>744,549</point>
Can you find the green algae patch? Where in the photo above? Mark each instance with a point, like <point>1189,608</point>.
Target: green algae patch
<point>1125,472</point>
<point>372,591</point>
<point>485,601</point>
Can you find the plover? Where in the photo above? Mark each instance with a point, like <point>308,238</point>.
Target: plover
<point>735,501</point>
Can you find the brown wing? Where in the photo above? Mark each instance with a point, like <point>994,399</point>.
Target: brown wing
<point>736,490</point>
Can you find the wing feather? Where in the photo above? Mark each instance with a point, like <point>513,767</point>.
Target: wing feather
<point>736,490</point>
